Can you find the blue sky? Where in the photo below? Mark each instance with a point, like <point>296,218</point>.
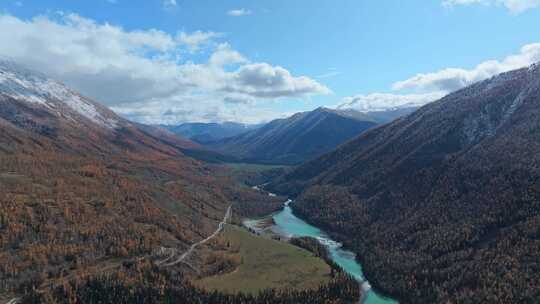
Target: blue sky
<point>278,56</point>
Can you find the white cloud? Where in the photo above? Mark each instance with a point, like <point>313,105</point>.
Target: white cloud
<point>515,6</point>
<point>329,74</point>
<point>265,81</point>
<point>239,12</point>
<point>451,79</point>
<point>433,86</point>
<point>384,101</point>
<point>169,3</point>
<point>144,69</point>
<point>198,109</point>
<point>224,55</point>
<point>197,39</point>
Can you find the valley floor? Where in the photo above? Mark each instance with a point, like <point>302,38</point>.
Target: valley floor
<point>265,264</point>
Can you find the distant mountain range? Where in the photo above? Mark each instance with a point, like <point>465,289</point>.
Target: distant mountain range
<point>237,142</point>
<point>209,132</point>
<point>296,139</point>
<point>443,205</point>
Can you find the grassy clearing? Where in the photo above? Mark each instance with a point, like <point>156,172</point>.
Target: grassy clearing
<point>253,174</point>
<point>267,264</point>
<point>254,167</point>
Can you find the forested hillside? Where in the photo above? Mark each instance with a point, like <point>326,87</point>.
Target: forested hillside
<point>442,206</point>
<point>143,283</point>
<point>84,190</point>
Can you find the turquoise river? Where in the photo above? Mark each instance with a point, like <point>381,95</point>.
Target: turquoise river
<point>288,225</point>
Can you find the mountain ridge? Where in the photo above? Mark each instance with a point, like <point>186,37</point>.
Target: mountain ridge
<point>297,138</point>
<point>432,201</point>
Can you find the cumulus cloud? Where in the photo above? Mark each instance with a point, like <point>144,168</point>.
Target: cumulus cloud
<point>196,108</point>
<point>515,6</point>
<point>197,39</point>
<point>225,55</point>
<point>144,69</point>
<point>239,12</point>
<point>103,61</point>
<point>384,101</point>
<point>265,81</point>
<point>451,79</point>
<point>435,85</point>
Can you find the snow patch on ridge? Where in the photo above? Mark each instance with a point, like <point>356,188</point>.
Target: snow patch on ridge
<point>22,84</point>
<point>498,80</point>
<point>378,102</point>
<point>534,66</point>
<point>532,85</point>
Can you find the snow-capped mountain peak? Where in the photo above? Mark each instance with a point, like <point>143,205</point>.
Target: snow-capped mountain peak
<point>22,84</point>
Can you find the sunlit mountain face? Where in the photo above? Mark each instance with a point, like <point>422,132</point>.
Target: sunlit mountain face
<point>83,185</point>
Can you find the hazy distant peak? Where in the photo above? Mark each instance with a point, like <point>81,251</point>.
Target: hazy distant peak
<point>348,113</point>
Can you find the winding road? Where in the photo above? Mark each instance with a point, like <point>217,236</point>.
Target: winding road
<point>174,252</point>
<point>186,254</point>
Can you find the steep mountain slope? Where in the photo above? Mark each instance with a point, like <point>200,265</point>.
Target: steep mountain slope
<point>298,138</point>
<point>209,132</point>
<point>84,190</point>
<point>387,116</point>
<point>443,206</point>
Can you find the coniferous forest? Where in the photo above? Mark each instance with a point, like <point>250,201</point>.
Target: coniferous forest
<point>442,206</point>
<point>144,283</point>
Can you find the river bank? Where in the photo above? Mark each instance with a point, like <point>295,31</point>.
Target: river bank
<point>286,225</point>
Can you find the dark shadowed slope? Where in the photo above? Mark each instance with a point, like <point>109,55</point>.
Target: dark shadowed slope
<point>442,205</point>
<point>296,139</point>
